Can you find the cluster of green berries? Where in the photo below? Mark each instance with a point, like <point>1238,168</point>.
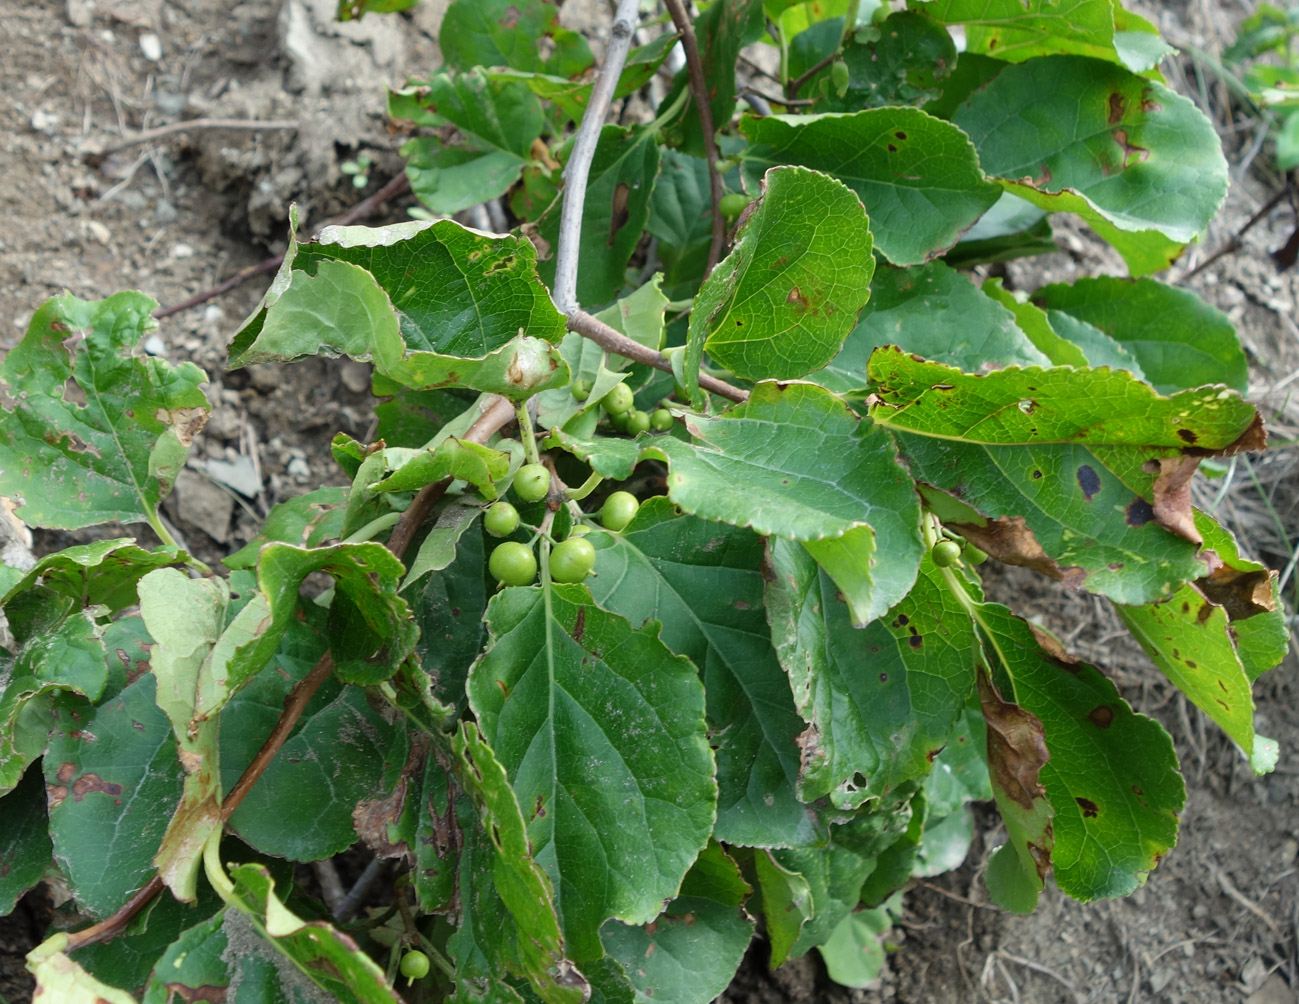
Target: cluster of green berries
<point>618,405</point>
<point>947,553</point>
<point>513,563</point>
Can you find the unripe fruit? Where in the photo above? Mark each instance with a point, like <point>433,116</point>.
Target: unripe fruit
<point>532,482</point>
<point>618,400</point>
<point>414,966</point>
<point>572,560</point>
<point>638,422</point>
<point>513,564</point>
<point>501,519</point>
<point>946,553</point>
<point>618,510</point>
<point>661,420</point>
<point>733,204</point>
<point>581,389</point>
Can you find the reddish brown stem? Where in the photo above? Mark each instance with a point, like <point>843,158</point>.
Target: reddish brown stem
<point>597,331</point>
<point>498,414</point>
<point>699,91</point>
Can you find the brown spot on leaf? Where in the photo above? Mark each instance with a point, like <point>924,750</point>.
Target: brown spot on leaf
<point>1242,592</point>
<point>88,783</point>
<point>1102,716</point>
<point>1117,105</point>
<point>55,794</point>
<point>1089,808</point>
<point>1089,481</point>
<point>1131,152</point>
<point>1016,746</point>
<point>797,298</point>
<point>1172,494</point>
<point>66,772</point>
<point>579,625</point>
<point>194,995</point>
<point>1009,540</point>
<point>619,214</point>
<point>1251,440</point>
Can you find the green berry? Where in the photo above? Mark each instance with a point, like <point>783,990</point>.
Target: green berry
<point>618,400</point>
<point>532,482</point>
<point>581,389</point>
<point>638,422</point>
<point>733,204</point>
<point>414,966</point>
<point>501,519</point>
<point>572,560</point>
<point>661,420</point>
<point>946,553</point>
<point>618,510</point>
<point>621,421</point>
<point>513,564</point>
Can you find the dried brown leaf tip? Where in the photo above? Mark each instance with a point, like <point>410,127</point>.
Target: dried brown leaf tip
<point>1016,746</point>
<point>1009,540</point>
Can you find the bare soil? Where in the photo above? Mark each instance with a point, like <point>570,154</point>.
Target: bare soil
<point>1217,921</point>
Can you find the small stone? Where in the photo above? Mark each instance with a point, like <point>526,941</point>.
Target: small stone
<point>182,251</point>
<point>355,376</point>
<point>150,47</point>
<point>1274,991</point>
<point>45,122</point>
<point>97,231</point>
<point>155,346</point>
<point>299,469</point>
<point>164,211</point>
<point>202,504</point>
<point>78,13</point>
<point>1159,979</point>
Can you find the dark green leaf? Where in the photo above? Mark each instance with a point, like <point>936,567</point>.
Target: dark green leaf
<point>307,520</point>
<point>95,433</point>
<point>602,732</point>
<point>1075,134</point>
<point>495,122</point>
<point>25,848</point>
<point>114,780</point>
<point>614,214</point>
<point>933,311</point>
<point>681,218</point>
<point>782,302</point>
<point>872,729</point>
<point>449,608</point>
<point>510,33</point>
<point>906,64</point>
<point>1179,339</point>
<point>918,175</point>
<point>1033,322</point>
<point>1111,777</point>
<point>431,305</point>
<point>702,582</point>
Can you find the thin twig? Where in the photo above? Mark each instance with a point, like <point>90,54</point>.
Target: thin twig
<point>356,895</point>
<point>584,144</point>
<point>699,89</point>
<point>771,99</point>
<point>1234,241</point>
<point>498,413</point>
<point>398,186</point>
<point>603,335</point>
<point>195,125</point>
<point>791,88</point>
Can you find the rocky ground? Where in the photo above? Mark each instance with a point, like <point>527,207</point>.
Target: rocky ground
<point>88,209</point>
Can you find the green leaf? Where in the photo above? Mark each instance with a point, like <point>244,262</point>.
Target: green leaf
<point>307,520</point>
<point>70,657</point>
<point>494,122</point>
<point>59,978</point>
<point>919,175</point>
<point>510,33</point>
<point>681,218</point>
<point>1074,134</point>
<point>449,610</point>
<point>614,215</point>
<point>481,466</point>
<point>518,878</point>
<point>25,848</point>
<point>430,304</point>
<point>1017,30</point>
<point>1111,777</point>
<point>690,953</point>
<point>354,10</point>
<point>301,808</point>
<point>94,433</point>
<point>945,843</point>
<point>960,773</point>
<point>102,573</point>
<point>782,302</point>
<point>854,954</point>
<point>1032,465</point>
<point>597,724</point>
<point>1099,348</point>
<point>1180,340</point>
<point>933,311</point>
<point>438,549</point>
<point>721,31</point>
<point>114,780</point>
<point>786,903</point>
<point>702,582</point>
<point>1032,320</point>
<point>906,64</point>
<point>328,957</point>
<point>794,462</point>
<point>1287,143</point>
<point>868,732</point>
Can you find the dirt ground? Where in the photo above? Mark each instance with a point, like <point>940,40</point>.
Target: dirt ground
<point>1217,921</point>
